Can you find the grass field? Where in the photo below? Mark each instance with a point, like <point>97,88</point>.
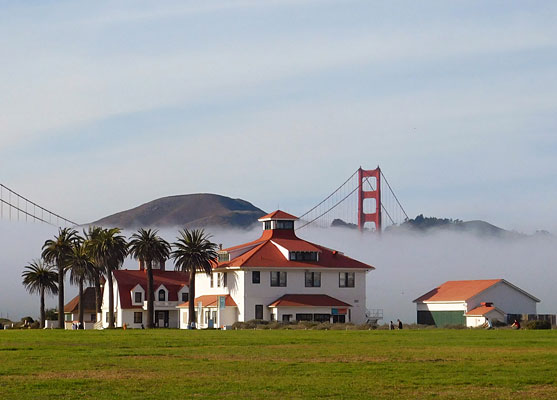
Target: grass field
<point>434,363</point>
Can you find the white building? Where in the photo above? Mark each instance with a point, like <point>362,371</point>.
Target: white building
<point>280,277</point>
<point>130,301</point>
<point>471,302</point>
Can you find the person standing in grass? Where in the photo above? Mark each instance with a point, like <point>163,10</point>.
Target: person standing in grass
<point>399,324</point>
<point>391,326</point>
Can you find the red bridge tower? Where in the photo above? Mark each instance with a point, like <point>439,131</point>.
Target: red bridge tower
<point>369,194</point>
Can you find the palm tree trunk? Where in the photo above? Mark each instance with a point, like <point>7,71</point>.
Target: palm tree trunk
<point>60,266</point>
<point>81,301</point>
<point>191,287</point>
<point>42,307</point>
<point>110,300</point>
<point>150,294</point>
<point>98,294</point>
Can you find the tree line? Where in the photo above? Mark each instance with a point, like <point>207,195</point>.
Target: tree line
<point>90,257</point>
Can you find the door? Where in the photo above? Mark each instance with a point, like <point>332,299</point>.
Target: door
<point>259,311</point>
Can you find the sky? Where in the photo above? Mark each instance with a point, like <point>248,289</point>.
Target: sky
<point>107,105</point>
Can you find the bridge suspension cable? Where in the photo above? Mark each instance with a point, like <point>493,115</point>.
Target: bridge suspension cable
<point>343,208</point>
<point>14,206</point>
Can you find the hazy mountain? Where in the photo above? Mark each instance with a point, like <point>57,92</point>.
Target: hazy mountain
<point>189,210</point>
<point>432,224</point>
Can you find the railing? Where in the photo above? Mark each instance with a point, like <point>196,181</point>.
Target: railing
<point>373,315</point>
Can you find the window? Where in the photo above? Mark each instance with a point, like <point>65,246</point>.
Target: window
<point>219,278</point>
<point>267,225</point>
<point>224,256</point>
<point>284,225</point>
<point>303,256</point>
<point>304,317</point>
<point>259,311</point>
<point>224,279</point>
<point>346,279</point>
<point>313,279</point>
<point>106,317</point>
<point>137,317</point>
<point>214,317</point>
<point>321,317</point>
<point>207,316</point>
<point>162,295</point>
<point>67,317</point>
<point>212,280</point>
<point>93,317</point>
<point>138,297</point>
<point>255,277</point>
<point>286,317</point>
<point>185,296</point>
<point>278,278</point>
<point>272,317</point>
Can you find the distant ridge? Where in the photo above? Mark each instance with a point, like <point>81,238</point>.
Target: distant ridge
<point>188,210</point>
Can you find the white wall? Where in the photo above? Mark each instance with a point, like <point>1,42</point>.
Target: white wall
<point>505,298</point>
<point>456,306</point>
<point>264,294</point>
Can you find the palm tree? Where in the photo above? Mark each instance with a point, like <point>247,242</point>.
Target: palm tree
<point>146,246</point>
<point>95,273</point>
<point>40,278</point>
<point>56,252</point>
<point>110,249</point>
<point>81,267</point>
<point>194,252</point>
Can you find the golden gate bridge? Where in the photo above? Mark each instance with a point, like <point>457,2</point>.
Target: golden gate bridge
<point>365,197</point>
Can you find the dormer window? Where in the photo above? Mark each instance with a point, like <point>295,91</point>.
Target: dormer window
<point>162,295</point>
<point>284,225</point>
<point>224,256</point>
<point>138,297</point>
<point>303,256</point>
<point>268,225</point>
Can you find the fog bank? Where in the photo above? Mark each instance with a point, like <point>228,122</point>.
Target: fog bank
<point>407,265</point>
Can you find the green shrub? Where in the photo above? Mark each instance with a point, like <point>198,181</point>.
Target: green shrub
<point>539,324</point>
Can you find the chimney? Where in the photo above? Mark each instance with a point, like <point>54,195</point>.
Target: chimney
<point>220,246</point>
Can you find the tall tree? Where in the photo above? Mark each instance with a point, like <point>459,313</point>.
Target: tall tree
<point>194,252</point>
<point>81,267</point>
<point>56,252</point>
<point>40,278</point>
<point>146,246</point>
<point>97,272</point>
<point>110,248</point>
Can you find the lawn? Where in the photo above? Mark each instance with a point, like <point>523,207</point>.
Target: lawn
<point>288,364</point>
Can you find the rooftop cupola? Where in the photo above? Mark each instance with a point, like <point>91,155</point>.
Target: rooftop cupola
<point>278,220</point>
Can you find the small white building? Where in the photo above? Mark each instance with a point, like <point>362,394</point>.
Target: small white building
<point>130,301</point>
<point>280,277</point>
<point>471,302</point>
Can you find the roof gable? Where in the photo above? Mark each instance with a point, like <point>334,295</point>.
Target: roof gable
<point>457,290</point>
<point>278,215</point>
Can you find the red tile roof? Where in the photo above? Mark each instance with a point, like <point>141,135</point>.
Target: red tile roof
<point>211,301</point>
<point>457,290</point>
<point>88,302</point>
<point>308,300</point>
<point>173,281</point>
<point>263,253</point>
<point>482,310</point>
<point>278,215</point>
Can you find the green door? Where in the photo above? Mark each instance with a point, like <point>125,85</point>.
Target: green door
<point>441,318</point>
